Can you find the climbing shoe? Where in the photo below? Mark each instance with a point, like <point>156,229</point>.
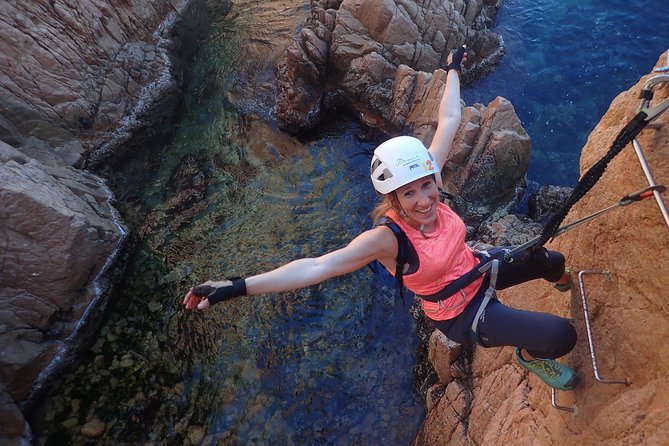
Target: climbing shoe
<point>556,375</point>
<point>563,287</point>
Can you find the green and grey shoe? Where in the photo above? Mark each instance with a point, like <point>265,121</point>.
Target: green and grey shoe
<point>556,375</point>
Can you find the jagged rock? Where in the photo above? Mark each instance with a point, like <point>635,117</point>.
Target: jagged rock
<point>76,76</point>
<point>445,423</point>
<point>57,230</point>
<point>73,71</point>
<point>357,47</point>
<point>492,178</point>
<point>300,74</point>
<point>631,315</point>
<point>543,203</point>
<point>12,423</point>
<point>442,353</point>
<point>490,154</point>
<point>509,230</point>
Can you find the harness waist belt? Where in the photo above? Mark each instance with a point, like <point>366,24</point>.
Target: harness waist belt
<point>461,282</point>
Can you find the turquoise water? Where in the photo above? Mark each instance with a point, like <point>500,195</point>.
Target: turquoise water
<point>566,60</point>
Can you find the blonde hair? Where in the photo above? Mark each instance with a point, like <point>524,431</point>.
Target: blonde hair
<point>381,209</point>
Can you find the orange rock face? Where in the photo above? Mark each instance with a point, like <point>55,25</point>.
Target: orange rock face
<point>629,315</point>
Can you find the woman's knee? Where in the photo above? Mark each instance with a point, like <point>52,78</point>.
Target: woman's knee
<point>562,338</point>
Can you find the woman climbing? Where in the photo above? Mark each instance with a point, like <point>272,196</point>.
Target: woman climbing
<point>407,176</point>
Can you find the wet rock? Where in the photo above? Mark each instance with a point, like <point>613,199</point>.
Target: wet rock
<point>70,423</point>
<point>75,404</point>
<point>195,434</point>
<point>58,231</point>
<point>126,362</point>
<point>99,361</point>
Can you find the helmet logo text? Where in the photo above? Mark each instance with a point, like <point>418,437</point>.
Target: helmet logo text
<point>401,162</point>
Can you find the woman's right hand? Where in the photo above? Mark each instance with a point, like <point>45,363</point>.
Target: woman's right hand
<point>197,297</point>
<point>209,293</point>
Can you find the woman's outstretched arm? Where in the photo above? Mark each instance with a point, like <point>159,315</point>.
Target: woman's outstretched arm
<point>378,243</point>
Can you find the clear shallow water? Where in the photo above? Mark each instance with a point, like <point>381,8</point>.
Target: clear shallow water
<point>566,60</point>
<point>331,364</point>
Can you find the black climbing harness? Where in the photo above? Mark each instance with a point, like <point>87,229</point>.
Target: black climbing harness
<point>402,254</point>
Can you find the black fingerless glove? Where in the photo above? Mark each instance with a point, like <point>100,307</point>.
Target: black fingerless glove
<point>219,294</point>
<point>456,59</point>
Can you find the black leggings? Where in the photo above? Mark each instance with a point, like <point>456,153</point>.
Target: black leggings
<point>543,335</point>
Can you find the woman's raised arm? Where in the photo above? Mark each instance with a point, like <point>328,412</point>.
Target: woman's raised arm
<point>449,109</point>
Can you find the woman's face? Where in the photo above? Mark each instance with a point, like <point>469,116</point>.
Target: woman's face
<point>419,201</point>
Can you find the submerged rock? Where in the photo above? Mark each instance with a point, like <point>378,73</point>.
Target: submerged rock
<point>93,429</point>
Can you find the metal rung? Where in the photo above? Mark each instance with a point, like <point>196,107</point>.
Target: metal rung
<point>588,328</point>
<point>651,181</point>
<point>554,403</point>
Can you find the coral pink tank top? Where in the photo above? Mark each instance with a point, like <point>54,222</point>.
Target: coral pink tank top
<point>443,257</point>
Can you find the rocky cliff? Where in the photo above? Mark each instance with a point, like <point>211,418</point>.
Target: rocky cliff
<point>85,76</point>
<point>349,53</point>
<point>72,71</point>
<point>485,398</point>
<point>78,79</point>
<point>57,231</point>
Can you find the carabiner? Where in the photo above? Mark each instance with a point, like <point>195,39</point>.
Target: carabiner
<point>640,194</point>
<point>647,94</point>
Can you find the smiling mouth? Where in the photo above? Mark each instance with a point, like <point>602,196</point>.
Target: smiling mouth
<point>425,211</point>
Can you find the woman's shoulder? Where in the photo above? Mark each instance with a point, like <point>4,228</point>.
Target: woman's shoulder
<point>383,239</point>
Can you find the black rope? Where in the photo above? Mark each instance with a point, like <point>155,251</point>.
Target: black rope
<point>626,135</point>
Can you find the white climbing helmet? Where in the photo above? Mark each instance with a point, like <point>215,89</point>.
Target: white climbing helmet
<point>400,161</point>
